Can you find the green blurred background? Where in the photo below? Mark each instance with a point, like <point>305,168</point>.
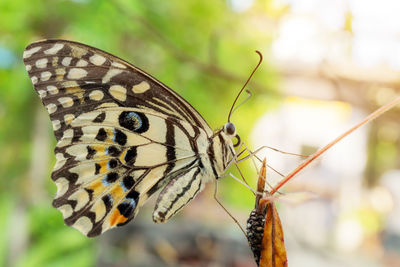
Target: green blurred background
<point>321,68</point>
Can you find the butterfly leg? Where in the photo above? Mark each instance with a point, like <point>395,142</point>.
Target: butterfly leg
<point>177,193</point>
<point>246,148</point>
<point>234,161</point>
<point>251,155</point>
<point>223,207</point>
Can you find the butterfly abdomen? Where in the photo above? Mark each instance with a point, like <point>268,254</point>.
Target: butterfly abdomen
<point>177,193</point>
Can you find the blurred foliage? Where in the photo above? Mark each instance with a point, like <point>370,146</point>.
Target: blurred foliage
<point>202,49</point>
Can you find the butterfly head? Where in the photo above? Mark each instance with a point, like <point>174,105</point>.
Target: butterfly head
<point>230,130</point>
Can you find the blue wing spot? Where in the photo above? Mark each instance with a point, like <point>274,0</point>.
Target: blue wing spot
<point>133,195</point>
<point>130,202</point>
<point>123,186</point>
<point>134,121</point>
<point>113,151</point>
<point>110,178</point>
<point>105,182</point>
<point>127,207</point>
<point>135,117</point>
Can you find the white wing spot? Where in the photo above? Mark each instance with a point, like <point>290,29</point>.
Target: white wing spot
<point>66,102</point>
<point>66,61</point>
<point>66,210</point>
<point>141,87</point>
<point>42,93</point>
<point>51,108</point>
<point>82,63</point>
<point>99,209</point>
<point>76,73</point>
<point>97,59</point>
<point>54,49</point>
<point>60,72</point>
<point>44,76</point>
<point>77,151</point>
<point>111,73</point>
<point>118,65</point>
<point>81,197</point>
<point>34,79</point>
<point>56,125</point>
<point>66,139</point>
<point>83,224</point>
<point>118,92</point>
<point>60,161</point>
<point>78,51</point>
<point>96,95</point>
<point>28,67</point>
<point>30,52</point>
<point>70,84</point>
<point>68,118</point>
<point>52,89</point>
<point>41,63</point>
<point>62,186</point>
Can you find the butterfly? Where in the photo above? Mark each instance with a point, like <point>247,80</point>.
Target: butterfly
<point>121,136</point>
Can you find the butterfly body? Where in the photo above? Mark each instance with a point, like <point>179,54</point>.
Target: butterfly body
<point>122,135</point>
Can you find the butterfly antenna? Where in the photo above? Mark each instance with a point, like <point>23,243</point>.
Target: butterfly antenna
<point>245,84</point>
<point>244,101</point>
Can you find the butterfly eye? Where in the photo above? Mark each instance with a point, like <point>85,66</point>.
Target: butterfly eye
<point>229,128</point>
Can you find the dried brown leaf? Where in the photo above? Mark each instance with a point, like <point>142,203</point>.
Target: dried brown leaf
<point>264,228</point>
<point>273,252</point>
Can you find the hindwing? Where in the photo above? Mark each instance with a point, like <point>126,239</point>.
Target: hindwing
<point>120,132</point>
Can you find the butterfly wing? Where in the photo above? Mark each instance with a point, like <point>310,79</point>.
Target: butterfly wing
<point>120,132</point>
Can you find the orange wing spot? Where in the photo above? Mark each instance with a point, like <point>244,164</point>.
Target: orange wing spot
<point>103,166</point>
<point>117,192</point>
<point>100,151</point>
<point>74,90</point>
<point>110,136</point>
<point>97,187</point>
<point>117,218</point>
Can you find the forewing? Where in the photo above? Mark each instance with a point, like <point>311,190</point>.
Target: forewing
<point>79,78</point>
<point>117,130</point>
